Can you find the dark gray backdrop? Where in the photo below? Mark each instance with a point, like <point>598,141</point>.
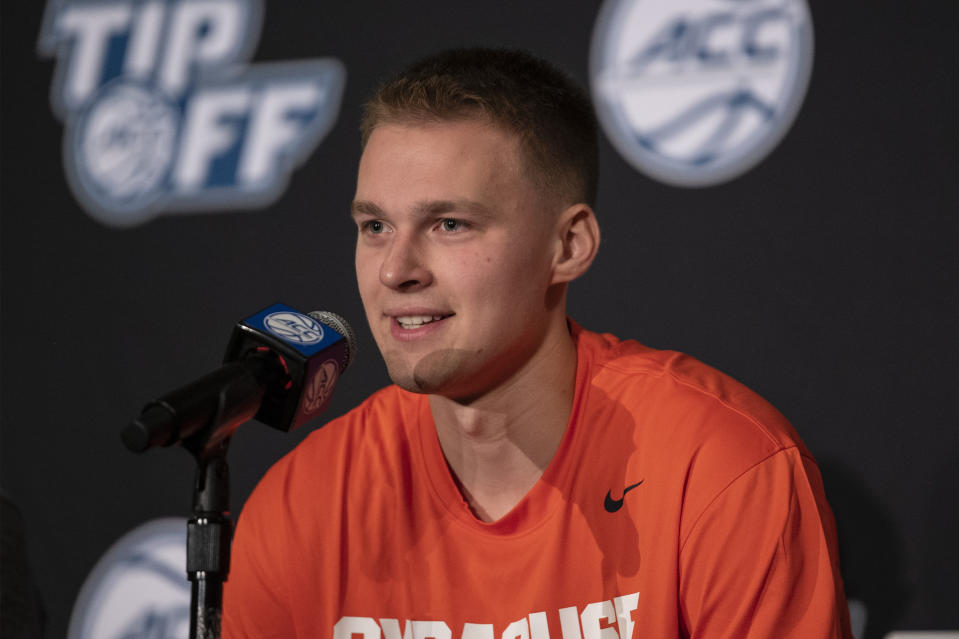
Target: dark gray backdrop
<point>825,278</point>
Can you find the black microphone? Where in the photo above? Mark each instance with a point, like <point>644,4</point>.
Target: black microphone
<point>280,368</point>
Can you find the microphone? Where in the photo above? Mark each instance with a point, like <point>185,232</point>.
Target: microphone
<point>280,368</point>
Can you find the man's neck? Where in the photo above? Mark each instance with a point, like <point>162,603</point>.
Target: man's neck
<point>498,446</point>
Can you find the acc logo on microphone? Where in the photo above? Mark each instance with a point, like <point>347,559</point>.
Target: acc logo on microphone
<point>319,388</point>
<point>139,588</point>
<point>697,92</point>
<point>294,327</point>
<point>162,114</point>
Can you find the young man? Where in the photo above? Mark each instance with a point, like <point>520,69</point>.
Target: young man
<point>524,478</point>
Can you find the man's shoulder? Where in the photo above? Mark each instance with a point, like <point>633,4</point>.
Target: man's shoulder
<point>388,412</point>
<point>682,422</point>
<point>354,443</point>
<point>382,409</point>
<point>670,387</point>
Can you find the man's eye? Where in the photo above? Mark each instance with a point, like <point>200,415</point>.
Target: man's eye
<point>373,226</point>
<point>453,225</point>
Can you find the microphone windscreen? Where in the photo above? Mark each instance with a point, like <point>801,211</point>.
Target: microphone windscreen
<point>341,326</point>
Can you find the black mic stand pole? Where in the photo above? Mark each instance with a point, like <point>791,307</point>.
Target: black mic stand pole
<point>208,538</point>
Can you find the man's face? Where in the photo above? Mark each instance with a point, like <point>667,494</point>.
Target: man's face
<point>454,255</point>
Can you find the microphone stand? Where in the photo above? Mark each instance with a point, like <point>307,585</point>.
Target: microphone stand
<point>202,417</point>
<point>210,531</point>
<point>208,538</point>
<point>206,422</point>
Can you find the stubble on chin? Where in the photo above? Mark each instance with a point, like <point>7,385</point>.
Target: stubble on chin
<point>433,373</point>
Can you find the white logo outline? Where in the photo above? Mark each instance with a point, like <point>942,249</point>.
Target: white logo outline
<point>294,328</point>
<point>615,88</point>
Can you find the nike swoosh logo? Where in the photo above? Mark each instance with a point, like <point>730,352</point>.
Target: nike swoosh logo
<point>612,505</point>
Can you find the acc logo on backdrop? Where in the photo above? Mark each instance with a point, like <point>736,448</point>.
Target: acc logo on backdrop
<point>139,588</point>
<point>697,92</point>
<point>162,113</point>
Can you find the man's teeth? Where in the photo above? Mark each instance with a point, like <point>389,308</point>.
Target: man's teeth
<point>412,321</point>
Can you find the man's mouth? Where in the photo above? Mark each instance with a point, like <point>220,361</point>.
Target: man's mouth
<point>410,322</point>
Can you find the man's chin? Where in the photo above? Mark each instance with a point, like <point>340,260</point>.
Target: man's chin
<point>405,379</point>
<point>433,374</point>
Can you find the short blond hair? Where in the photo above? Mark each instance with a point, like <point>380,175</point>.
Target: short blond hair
<point>526,96</point>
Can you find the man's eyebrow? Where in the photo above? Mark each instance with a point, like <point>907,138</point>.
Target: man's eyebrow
<point>439,207</point>
<point>425,208</point>
<point>365,208</point>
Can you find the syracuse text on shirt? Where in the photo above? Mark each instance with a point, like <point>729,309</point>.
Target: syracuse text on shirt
<point>610,619</point>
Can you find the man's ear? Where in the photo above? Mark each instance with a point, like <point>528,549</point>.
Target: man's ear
<point>578,243</point>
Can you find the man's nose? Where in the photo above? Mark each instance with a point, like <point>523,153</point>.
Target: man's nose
<point>404,265</point>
